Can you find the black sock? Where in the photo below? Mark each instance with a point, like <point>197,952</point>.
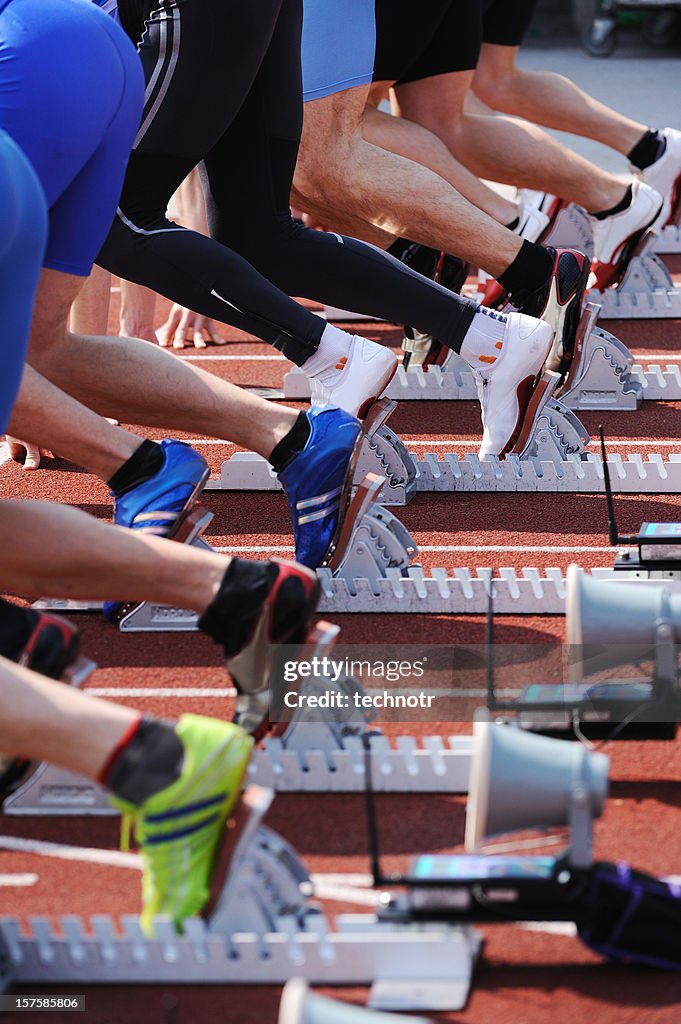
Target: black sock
<point>144,763</point>
<point>230,616</point>
<point>624,204</point>
<point>514,224</point>
<point>529,271</point>
<point>649,148</point>
<point>15,629</point>
<point>144,463</point>
<point>291,445</point>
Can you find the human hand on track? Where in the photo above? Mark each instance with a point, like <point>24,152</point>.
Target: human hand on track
<point>183,324</point>
<point>24,451</point>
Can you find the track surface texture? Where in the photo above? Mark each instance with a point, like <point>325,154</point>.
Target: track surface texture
<point>525,976</point>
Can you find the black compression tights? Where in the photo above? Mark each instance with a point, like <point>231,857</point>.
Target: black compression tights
<point>224,86</point>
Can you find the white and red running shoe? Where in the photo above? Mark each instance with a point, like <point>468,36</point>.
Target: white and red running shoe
<point>354,380</point>
<point>616,237</point>
<point>665,177</point>
<point>509,388</point>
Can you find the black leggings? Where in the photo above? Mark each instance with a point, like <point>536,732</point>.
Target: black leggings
<point>224,87</point>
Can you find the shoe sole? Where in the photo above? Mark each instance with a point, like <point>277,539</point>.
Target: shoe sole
<point>629,251</point>
<point>539,396</point>
<point>587,322</point>
<point>378,414</point>
<point>369,402</point>
<point>569,325</point>
<point>322,636</point>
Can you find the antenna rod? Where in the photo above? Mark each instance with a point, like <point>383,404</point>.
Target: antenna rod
<point>612,525</point>
<point>489,640</point>
<point>370,812</point>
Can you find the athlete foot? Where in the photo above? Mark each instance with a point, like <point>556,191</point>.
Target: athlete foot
<point>508,379</point>
<point>349,376</point>
<point>259,607</point>
<point>664,176</point>
<point>616,237</point>
<point>559,302</point>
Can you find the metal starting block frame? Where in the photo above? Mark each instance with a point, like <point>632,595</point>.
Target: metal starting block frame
<point>669,240</point>
<point>264,929</point>
<point>308,754</point>
<point>646,291</point>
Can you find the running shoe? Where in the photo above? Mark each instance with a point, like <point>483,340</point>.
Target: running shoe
<point>509,387</point>
<point>357,379</point>
<point>665,177</point>
<point>616,237</point>
<point>559,303</point>
<point>318,481</point>
<point>161,504</point>
<point>179,829</point>
<point>254,664</point>
<point>52,647</point>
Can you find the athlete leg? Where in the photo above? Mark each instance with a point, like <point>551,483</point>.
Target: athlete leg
<point>98,561</point>
<point>549,99</point>
<point>332,269</point>
<point>340,167</point>
<point>498,148</point>
<point>23,232</point>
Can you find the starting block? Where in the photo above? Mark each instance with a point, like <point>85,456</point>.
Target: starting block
<point>646,291</point>
<point>307,755</point>
<point>603,376</point>
<point>669,240</point>
<point>262,930</point>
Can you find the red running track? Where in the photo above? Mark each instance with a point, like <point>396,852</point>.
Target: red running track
<point>525,975</point>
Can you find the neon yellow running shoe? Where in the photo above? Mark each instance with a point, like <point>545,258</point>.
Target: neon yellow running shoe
<point>179,829</point>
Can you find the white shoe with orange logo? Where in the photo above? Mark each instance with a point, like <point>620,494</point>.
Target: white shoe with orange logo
<point>351,378</point>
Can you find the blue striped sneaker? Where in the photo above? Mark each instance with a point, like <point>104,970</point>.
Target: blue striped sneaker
<point>161,504</point>
<point>318,482</point>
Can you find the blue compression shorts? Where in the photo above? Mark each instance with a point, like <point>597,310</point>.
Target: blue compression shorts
<point>339,44</point>
<point>71,89</point>
<point>23,231</point>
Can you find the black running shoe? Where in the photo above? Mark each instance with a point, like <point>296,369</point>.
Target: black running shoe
<point>559,303</point>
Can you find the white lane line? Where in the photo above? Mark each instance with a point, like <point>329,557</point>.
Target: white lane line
<point>652,443</point>
<point>82,854</point>
<point>549,549</point>
<point>193,692</point>
<point>23,881</point>
<point>232,359</point>
<point>188,692</point>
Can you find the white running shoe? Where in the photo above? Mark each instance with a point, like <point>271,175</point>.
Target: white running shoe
<point>507,386</point>
<point>356,379</point>
<point>665,176</point>
<point>616,237</point>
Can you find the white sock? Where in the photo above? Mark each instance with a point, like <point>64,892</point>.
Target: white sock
<point>484,339</point>
<point>334,345</point>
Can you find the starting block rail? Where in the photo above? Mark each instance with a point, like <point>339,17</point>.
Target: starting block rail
<point>633,473</point>
<point>669,240</point>
<point>263,929</point>
<point>432,764</point>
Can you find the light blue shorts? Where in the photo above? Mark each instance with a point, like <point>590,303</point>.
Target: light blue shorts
<point>339,45</point>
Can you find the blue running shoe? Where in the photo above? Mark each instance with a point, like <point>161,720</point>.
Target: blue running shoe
<point>161,504</point>
<point>317,482</point>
